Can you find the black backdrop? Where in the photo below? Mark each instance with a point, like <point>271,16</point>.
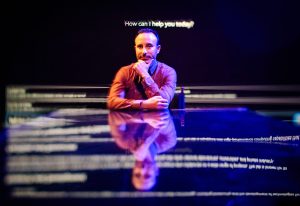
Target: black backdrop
<point>232,42</point>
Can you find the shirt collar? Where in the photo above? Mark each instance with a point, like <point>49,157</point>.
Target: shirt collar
<point>153,67</point>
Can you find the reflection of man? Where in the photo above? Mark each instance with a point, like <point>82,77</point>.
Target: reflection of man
<point>144,134</point>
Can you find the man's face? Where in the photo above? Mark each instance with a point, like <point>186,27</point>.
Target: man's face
<point>144,175</point>
<point>146,47</point>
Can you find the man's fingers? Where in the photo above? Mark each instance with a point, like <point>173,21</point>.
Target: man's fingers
<point>160,98</point>
<point>162,105</point>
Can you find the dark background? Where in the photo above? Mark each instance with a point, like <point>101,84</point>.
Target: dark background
<point>232,42</point>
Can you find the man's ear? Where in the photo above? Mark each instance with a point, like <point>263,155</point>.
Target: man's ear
<point>158,48</point>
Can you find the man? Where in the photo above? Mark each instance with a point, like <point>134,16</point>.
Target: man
<point>147,83</point>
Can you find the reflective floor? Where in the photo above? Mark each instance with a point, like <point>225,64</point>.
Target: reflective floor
<point>214,156</point>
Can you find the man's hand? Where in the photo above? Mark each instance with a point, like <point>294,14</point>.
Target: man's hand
<point>142,67</point>
<point>156,102</point>
<point>157,119</point>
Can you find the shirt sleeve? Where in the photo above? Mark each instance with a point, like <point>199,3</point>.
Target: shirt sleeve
<point>167,90</point>
<point>116,97</point>
<point>167,137</point>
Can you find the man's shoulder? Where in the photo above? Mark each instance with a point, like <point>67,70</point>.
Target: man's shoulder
<point>126,68</point>
<point>164,67</point>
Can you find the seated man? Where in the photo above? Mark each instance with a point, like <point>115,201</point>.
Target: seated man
<point>147,83</point>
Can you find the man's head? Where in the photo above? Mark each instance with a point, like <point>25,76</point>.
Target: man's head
<point>144,175</point>
<point>147,44</point>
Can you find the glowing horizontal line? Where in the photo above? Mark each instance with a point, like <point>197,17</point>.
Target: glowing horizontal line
<point>46,95</point>
<point>50,178</point>
<point>248,87</point>
<point>26,163</point>
<point>43,148</point>
<point>291,138</point>
<point>98,129</point>
<point>211,96</point>
<point>78,139</point>
<point>249,100</point>
<point>148,194</point>
<point>62,100</point>
<point>54,87</point>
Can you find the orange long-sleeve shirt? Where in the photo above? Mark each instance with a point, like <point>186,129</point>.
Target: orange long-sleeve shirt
<point>127,87</point>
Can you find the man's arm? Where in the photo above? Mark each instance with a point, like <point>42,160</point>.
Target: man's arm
<point>168,87</point>
<point>116,97</point>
